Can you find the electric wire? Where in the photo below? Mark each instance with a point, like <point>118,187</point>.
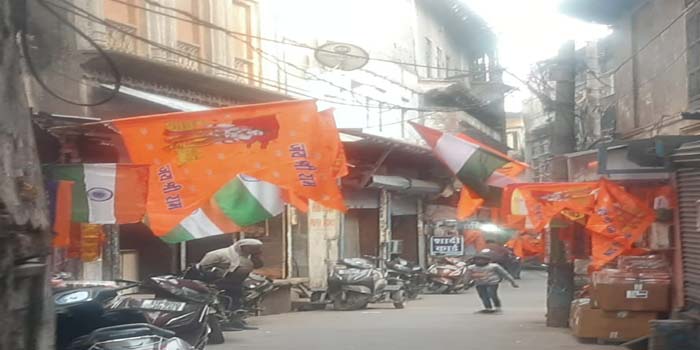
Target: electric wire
<point>85,14</point>
<point>31,67</point>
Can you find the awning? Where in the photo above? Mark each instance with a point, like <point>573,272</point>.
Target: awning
<point>640,159</point>
<point>404,185</point>
<point>687,156</point>
<point>176,104</point>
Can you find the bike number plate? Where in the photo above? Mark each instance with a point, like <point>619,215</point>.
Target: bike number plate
<point>162,305</point>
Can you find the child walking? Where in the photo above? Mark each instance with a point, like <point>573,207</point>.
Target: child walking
<point>486,276</point>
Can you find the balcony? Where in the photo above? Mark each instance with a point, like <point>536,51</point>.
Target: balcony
<point>190,53</point>
<point>121,39</point>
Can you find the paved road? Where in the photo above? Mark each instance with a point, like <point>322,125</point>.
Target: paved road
<point>434,322</point>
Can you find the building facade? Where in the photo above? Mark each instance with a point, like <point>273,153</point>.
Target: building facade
<point>655,48</point>
<point>653,62</point>
<point>431,56</point>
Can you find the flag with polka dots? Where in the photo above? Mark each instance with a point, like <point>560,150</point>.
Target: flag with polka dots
<point>195,154</point>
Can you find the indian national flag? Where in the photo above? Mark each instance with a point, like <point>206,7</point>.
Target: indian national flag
<point>105,193</point>
<point>243,201</point>
<point>473,165</point>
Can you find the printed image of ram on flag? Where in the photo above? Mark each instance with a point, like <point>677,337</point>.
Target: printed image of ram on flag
<point>212,165</point>
<point>478,167</point>
<point>246,200</point>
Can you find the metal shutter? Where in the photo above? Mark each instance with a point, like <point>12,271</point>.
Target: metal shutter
<point>687,162</point>
<point>689,199</point>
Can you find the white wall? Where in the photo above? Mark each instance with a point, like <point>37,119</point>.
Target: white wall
<point>387,29</point>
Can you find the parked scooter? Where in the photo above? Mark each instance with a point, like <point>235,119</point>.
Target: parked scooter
<point>412,275</point>
<point>84,322</point>
<point>179,305</point>
<point>355,282</point>
<point>447,275</point>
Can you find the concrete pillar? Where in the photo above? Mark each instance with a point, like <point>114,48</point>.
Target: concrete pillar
<point>111,256</point>
<point>384,223</point>
<point>324,233</point>
<point>422,254</point>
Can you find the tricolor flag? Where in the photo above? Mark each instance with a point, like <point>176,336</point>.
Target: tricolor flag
<point>474,166</point>
<point>105,193</point>
<point>243,201</point>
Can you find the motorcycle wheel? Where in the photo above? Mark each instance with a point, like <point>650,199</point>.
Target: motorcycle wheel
<point>399,299</point>
<point>437,288</point>
<point>216,336</point>
<point>353,301</point>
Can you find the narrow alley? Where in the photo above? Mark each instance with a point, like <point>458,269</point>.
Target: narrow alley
<point>447,321</point>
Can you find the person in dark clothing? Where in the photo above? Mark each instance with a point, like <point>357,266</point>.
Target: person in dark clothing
<point>487,275</point>
<point>504,257</point>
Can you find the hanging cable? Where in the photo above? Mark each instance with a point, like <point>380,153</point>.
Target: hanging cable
<point>24,43</point>
<point>295,44</point>
<point>87,15</point>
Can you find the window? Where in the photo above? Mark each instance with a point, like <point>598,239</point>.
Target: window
<point>440,65</point>
<point>512,140</point>
<point>243,47</point>
<point>189,35</point>
<point>129,19</point>
<point>428,58</point>
<point>448,65</point>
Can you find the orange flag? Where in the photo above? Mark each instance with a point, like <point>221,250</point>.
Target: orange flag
<point>62,211</point>
<point>469,203</point>
<point>193,154</point>
<point>620,219</point>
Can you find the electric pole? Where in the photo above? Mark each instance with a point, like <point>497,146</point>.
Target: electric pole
<point>560,281</point>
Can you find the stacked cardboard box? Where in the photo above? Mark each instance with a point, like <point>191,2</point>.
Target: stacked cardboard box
<point>638,284</point>
<point>588,322</point>
<point>624,300</point>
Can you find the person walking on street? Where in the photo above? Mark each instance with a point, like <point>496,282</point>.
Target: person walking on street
<point>486,276</point>
<point>504,257</point>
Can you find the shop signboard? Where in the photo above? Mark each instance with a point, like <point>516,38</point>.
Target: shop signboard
<point>447,245</point>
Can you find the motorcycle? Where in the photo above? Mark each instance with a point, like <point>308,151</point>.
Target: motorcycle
<point>412,275</point>
<point>178,305</point>
<point>448,275</point>
<point>355,282</point>
<point>84,322</point>
<point>255,288</point>
<point>139,336</point>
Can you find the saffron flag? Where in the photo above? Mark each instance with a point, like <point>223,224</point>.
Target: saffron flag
<point>527,244</point>
<point>195,154</point>
<point>542,202</point>
<point>247,201</point>
<point>60,207</point>
<point>105,193</point>
<point>474,166</point>
<point>469,203</point>
<point>620,220</point>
